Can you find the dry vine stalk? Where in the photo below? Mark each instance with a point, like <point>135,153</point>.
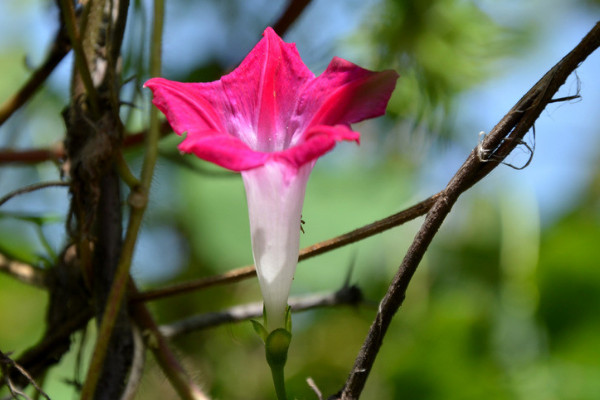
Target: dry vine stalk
<point>94,134</point>
<point>500,142</point>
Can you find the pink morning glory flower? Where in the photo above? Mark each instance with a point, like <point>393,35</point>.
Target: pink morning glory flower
<point>271,119</point>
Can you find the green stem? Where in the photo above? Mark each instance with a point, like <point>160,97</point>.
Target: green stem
<point>279,382</point>
<point>44,241</point>
<point>276,349</point>
<point>179,378</point>
<point>155,70</point>
<point>125,173</point>
<point>70,19</point>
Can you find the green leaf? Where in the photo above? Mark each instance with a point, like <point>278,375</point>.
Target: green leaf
<point>33,218</point>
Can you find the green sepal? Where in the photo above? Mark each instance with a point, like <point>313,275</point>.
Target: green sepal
<point>265,315</point>
<point>276,348</point>
<point>260,330</point>
<point>288,319</point>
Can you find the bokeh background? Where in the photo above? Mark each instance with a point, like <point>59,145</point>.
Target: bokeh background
<point>506,303</point>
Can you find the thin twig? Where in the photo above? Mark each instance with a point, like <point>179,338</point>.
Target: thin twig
<point>6,360</point>
<point>136,372</point>
<point>290,15</point>
<point>125,172</point>
<point>415,211</point>
<point>316,249</point>
<point>157,343</point>
<point>184,287</point>
<point>15,393</point>
<point>347,295</point>
<point>505,136</point>
<point>133,139</point>
<point>32,156</point>
<point>31,188</point>
<point>59,50</point>
<point>68,15</point>
<point>23,272</point>
<point>57,152</point>
<point>311,383</point>
<point>155,70</point>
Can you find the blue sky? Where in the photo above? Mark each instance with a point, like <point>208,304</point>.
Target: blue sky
<point>567,140</point>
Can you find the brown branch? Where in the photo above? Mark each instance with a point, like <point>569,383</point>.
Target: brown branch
<point>350,295</point>
<point>59,50</point>
<point>290,15</point>
<point>23,272</point>
<point>6,364</point>
<point>58,153</point>
<point>242,273</point>
<point>31,188</point>
<point>232,276</point>
<point>32,156</point>
<point>137,138</point>
<point>369,230</point>
<point>505,136</point>
<point>177,375</point>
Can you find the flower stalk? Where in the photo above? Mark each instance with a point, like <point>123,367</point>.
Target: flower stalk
<point>276,350</point>
<point>277,344</point>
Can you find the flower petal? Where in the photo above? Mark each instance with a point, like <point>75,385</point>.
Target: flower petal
<point>344,94</point>
<point>224,150</point>
<point>263,92</point>
<point>189,106</point>
<point>317,141</point>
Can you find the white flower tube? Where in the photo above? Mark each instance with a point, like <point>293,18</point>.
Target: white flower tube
<point>275,194</point>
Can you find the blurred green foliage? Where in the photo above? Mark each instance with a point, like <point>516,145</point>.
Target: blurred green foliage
<point>504,306</point>
<point>442,48</point>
